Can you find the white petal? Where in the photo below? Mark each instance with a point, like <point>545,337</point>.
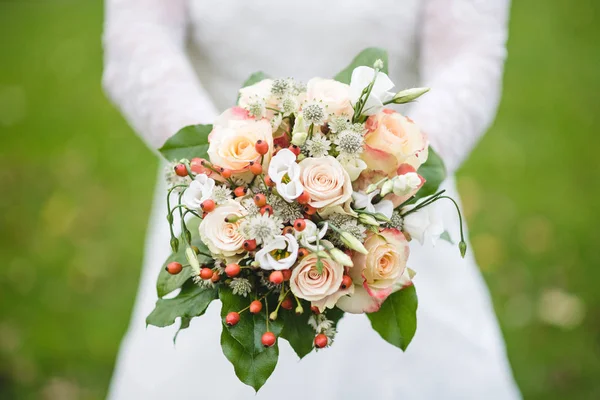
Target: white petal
<point>385,207</point>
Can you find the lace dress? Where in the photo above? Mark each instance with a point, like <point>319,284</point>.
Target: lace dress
<point>179,62</point>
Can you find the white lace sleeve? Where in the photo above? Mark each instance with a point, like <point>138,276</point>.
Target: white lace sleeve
<point>461,58</point>
<point>147,71</point>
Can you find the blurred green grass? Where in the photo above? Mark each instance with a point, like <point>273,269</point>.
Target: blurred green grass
<point>71,173</point>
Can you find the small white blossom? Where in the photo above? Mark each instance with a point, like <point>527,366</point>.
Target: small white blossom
<point>349,142</point>
<point>283,210</point>
<point>204,283</point>
<point>378,64</point>
<point>257,108</point>
<point>321,324</point>
<point>262,228</point>
<point>221,194</point>
<point>289,105</point>
<point>240,286</point>
<point>282,86</point>
<point>314,113</point>
<point>285,172</point>
<point>251,208</point>
<point>364,201</point>
<point>318,146</point>
<point>200,189</point>
<point>278,254</point>
<point>338,124</point>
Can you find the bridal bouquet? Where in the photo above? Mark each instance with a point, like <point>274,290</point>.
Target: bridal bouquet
<point>296,206</point>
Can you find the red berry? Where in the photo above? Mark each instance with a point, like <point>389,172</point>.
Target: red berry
<point>174,268</point>
<point>287,303</point>
<point>232,318</point>
<point>287,274</point>
<point>405,169</point>
<point>268,339</point>
<point>206,273</point>
<point>300,224</point>
<point>249,245</point>
<point>255,168</point>
<point>321,341</point>
<point>266,209</point>
<point>208,205</point>
<point>315,310</point>
<point>288,230</point>
<point>304,198</point>
<point>225,173</point>
<point>295,149</point>
<point>309,210</point>
<point>232,270</point>
<point>276,277</point>
<point>255,307</point>
<point>269,181</point>
<point>261,147</point>
<point>240,191</point>
<point>216,277</point>
<point>181,170</point>
<point>346,282</point>
<point>302,252</point>
<point>260,200</point>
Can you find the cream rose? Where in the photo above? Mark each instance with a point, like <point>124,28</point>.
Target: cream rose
<point>260,90</point>
<point>326,181</point>
<point>334,95</point>
<point>306,282</point>
<point>232,144</point>
<point>379,273</point>
<point>223,238</point>
<point>392,140</point>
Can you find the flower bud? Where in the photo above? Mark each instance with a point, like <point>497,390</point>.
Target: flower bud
<point>463,248</point>
<point>192,259</point>
<point>340,257</point>
<point>273,315</point>
<point>299,309</point>
<point>381,217</point>
<point>378,64</point>
<point>299,138</point>
<point>408,95</point>
<point>387,188</point>
<point>352,243</point>
<point>368,219</point>
<point>232,218</point>
<point>174,244</point>
<point>371,188</point>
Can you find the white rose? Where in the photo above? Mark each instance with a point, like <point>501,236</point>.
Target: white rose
<point>223,238</point>
<point>283,245</point>
<point>361,78</point>
<point>200,189</point>
<point>334,95</point>
<point>326,181</point>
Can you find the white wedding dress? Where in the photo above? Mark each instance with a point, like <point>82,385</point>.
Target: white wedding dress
<point>171,63</point>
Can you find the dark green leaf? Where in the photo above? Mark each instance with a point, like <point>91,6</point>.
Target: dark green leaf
<point>241,344</point>
<point>189,142</point>
<point>396,320</point>
<point>191,302</point>
<point>255,78</point>
<point>297,331</point>
<point>367,57</point>
<point>185,323</point>
<point>434,172</point>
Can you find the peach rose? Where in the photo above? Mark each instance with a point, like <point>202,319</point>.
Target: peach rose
<point>326,181</point>
<point>232,142</point>
<point>334,95</point>
<point>391,140</point>
<point>321,289</point>
<point>379,273</point>
<point>223,238</point>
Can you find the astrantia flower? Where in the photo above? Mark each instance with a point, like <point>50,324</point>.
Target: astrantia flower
<point>347,224</point>
<point>289,105</point>
<point>283,210</point>
<point>262,228</point>
<point>314,113</point>
<point>318,146</point>
<point>349,142</point>
<point>257,108</point>
<point>251,207</point>
<point>279,253</point>
<point>221,194</point>
<point>240,286</point>
<point>282,86</point>
<point>173,179</point>
<point>338,124</point>
<point>395,221</point>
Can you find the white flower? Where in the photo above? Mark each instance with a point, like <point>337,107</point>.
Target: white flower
<point>251,208</point>
<point>282,86</point>
<point>426,222</point>
<point>405,184</point>
<point>284,171</point>
<point>333,94</point>
<point>318,145</point>
<point>256,107</point>
<point>221,194</point>
<point>308,236</point>
<point>199,190</point>
<point>349,142</point>
<point>353,166</point>
<point>262,228</point>
<point>314,113</point>
<point>364,201</point>
<point>279,253</point>
<point>338,124</point>
<point>361,78</point>
<point>289,105</point>
<point>223,238</point>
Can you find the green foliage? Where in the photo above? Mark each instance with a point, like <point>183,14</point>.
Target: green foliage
<point>296,330</point>
<point>192,301</point>
<point>241,344</point>
<point>255,78</point>
<point>367,57</point>
<point>434,172</point>
<point>189,142</point>
<point>396,320</point>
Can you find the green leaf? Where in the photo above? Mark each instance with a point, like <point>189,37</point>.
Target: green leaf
<point>185,323</point>
<point>396,320</point>
<point>446,236</point>
<point>297,331</point>
<point>191,302</point>
<point>367,57</point>
<point>241,344</point>
<point>434,172</point>
<point>189,142</point>
<point>255,78</point>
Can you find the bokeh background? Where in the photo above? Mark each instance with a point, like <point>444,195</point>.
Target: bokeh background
<point>74,205</point>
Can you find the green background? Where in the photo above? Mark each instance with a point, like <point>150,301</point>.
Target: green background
<point>76,186</point>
